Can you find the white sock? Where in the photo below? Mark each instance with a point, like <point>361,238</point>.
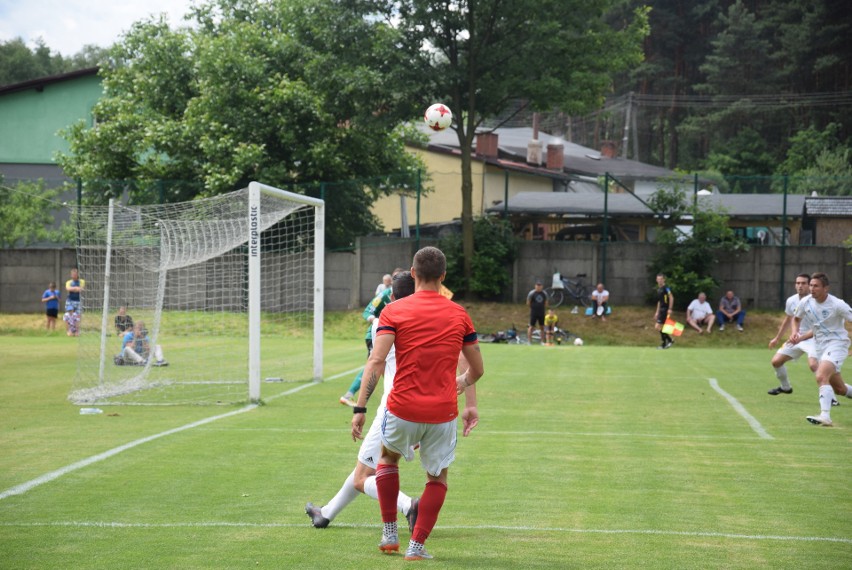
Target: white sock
<point>826,395</point>
<point>403,501</point>
<point>344,496</point>
<point>781,374</point>
<point>848,391</point>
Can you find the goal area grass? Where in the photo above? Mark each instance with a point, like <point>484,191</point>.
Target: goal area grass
<point>584,457</point>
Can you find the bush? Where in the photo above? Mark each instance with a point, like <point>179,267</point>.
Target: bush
<point>495,250</point>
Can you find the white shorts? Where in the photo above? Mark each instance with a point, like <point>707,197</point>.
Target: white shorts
<point>371,447</point>
<point>835,352</point>
<point>794,351</point>
<point>437,441</point>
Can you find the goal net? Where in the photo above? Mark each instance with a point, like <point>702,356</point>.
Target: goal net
<point>225,295</point>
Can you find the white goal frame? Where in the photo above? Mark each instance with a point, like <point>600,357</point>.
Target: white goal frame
<point>254,306</point>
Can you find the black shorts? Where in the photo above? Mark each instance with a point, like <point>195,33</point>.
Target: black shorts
<point>53,313</point>
<point>536,318</point>
<point>662,316</point>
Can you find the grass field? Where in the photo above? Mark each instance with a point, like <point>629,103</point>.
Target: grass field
<point>592,457</point>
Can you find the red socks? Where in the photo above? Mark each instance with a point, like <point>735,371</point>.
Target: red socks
<point>427,514</point>
<point>387,485</point>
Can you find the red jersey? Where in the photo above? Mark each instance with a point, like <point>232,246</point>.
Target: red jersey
<point>430,332</point>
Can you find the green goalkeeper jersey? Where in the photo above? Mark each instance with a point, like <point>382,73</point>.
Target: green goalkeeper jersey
<point>375,307</point>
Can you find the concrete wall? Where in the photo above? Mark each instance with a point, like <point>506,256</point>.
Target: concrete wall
<point>351,277</point>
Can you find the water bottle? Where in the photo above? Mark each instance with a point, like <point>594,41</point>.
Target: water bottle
<point>86,411</point>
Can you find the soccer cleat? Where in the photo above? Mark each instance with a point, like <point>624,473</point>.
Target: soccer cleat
<point>417,554</point>
<point>389,544</point>
<point>834,402</point>
<point>779,390</point>
<point>315,514</point>
<point>347,401</point>
<point>820,420</point>
<point>160,363</point>
<point>412,514</point>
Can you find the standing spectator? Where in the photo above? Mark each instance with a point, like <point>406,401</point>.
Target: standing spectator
<point>123,321</point>
<point>387,282</point>
<point>74,287</point>
<point>72,323</point>
<point>699,313</point>
<point>730,310</point>
<point>50,298</point>
<point>423,404</point>
<point>550,326</point>
<point>665,303</point>
<point>537,302</point>
<point>600,297</point>
<point>827,316</point>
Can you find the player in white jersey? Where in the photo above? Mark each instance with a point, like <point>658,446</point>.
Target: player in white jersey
<point>790,351</point>
<point>363,477</point>
<point>827,316</point>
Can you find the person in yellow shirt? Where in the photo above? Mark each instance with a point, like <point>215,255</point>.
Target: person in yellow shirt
<point>550,321</point>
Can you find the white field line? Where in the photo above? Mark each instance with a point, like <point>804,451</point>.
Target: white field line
<point>755,425</point>
<point>47,477</point>
<point>526,529</point>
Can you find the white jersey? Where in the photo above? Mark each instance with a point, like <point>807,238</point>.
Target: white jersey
<point>699,309</point>
<point>826,319</point>
<point>599,296</point>
<point>790,308</point>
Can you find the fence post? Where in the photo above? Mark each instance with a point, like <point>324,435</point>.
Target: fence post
<point>605,235</point>
<point>783,243</point>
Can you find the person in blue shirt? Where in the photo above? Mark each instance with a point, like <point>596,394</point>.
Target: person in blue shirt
<point>50,298</point>
<point>136,347</point>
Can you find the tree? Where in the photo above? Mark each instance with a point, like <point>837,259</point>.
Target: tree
<point>485,55</point>
<point>289,93</point>
<point>18,63</point>
<point>495,251</point>
<point>687,259</point>
<point>27,215</point>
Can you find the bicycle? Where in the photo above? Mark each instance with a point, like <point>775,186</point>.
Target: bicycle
<point>570,289</point>
<point>560,336</point>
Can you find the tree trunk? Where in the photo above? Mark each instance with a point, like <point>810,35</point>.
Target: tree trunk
<point>467,213</point>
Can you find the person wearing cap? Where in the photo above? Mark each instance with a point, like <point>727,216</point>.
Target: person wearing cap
<point>537,302</point>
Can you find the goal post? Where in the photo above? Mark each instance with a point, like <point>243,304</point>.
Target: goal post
<point>256,189</point>
<point>225,291</point>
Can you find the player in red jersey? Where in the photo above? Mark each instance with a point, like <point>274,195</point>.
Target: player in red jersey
<point>428,332</point>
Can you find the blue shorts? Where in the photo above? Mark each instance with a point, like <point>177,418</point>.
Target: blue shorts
<point>73,306</point>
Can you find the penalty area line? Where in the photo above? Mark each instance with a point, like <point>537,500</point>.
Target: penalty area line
<point>526,529</point>
<point>752,421</point>
<point>48,477</point>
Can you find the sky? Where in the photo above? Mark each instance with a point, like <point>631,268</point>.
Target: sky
<point>67,25</point>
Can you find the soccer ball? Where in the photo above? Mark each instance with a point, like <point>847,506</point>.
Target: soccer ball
<point>438,117</point>
<point>578,341</point>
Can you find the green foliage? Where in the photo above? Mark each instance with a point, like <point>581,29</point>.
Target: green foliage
<point>688,258</point>
<point>495,251</point>
<point>27,214</point>
<point>226,102</point>
<point>818,161</point>
<point>18,63</point>
<point>484,57</point>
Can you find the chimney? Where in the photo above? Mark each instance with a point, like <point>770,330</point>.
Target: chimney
<point>607,149</point>
<point>534,152</point>
<point>555,157</point>
<point>486,144</point>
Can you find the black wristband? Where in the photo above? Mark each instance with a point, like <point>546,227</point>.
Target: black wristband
<point>358,410</point>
